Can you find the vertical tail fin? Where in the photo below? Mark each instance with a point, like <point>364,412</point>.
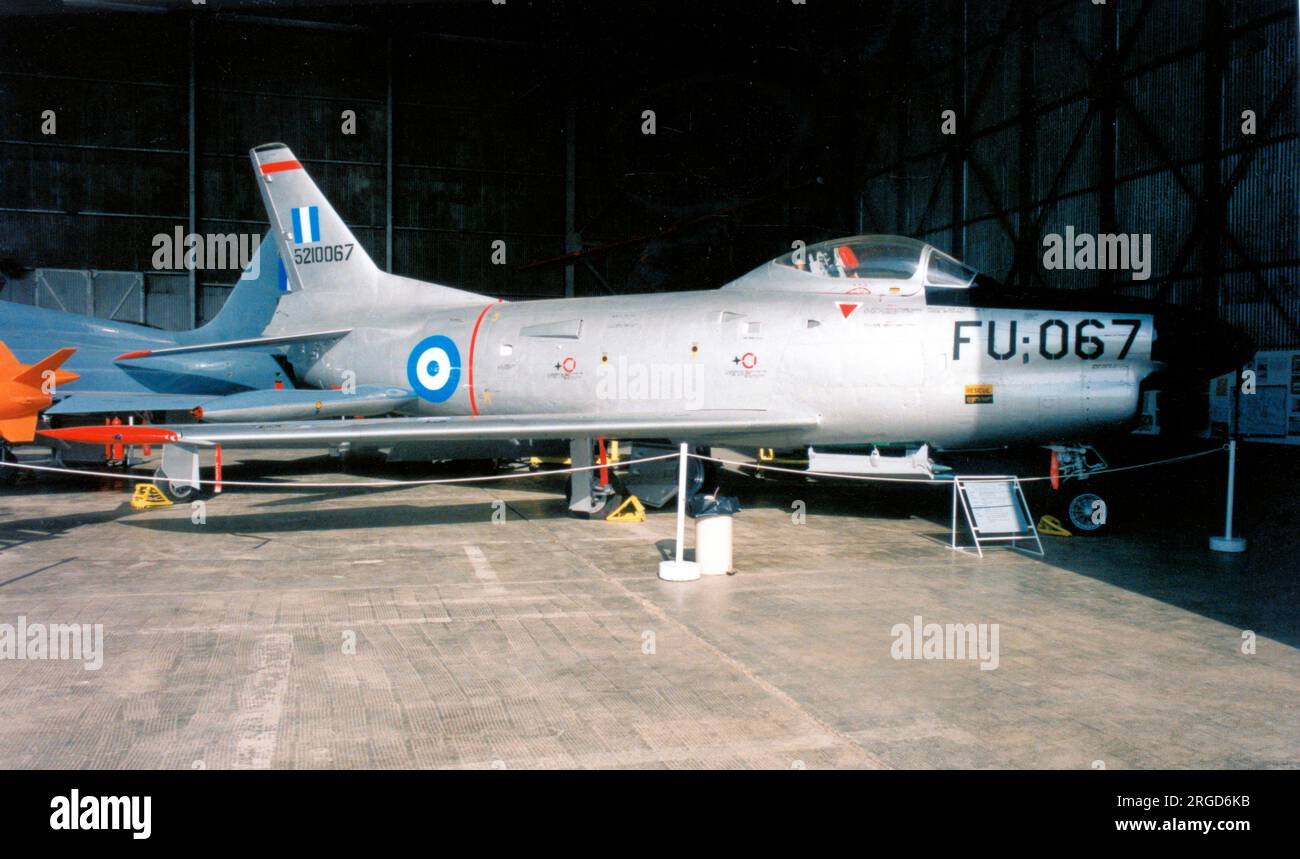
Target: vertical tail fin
<point>320,253</point>
<point>251,304</point>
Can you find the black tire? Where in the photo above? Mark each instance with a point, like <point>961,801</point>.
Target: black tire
<point>1084,512</point>
<point>601,502</point>
<point>177,493</point>
<point>701,475</point>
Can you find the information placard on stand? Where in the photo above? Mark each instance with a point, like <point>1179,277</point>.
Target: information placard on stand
<point>996,511</point>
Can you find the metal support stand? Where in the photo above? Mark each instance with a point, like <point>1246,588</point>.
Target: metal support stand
<point>179,467</point>
<point>581,501</point>
<point>1229,543</point>
<point>680,569</point>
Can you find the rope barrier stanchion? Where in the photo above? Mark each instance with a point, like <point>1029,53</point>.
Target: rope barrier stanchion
<point>1229,543</point>
<point>680,569</point>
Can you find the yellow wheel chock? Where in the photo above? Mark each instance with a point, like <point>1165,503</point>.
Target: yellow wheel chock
<point>1051,525</point>
<point>149,495</point>
<point>623,514</point>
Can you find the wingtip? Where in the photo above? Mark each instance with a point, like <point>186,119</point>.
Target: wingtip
<point>139,353</point>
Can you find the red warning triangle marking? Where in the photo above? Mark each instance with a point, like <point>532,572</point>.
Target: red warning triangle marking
<point>847,307</point>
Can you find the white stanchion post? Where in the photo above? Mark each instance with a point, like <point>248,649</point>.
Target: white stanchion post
<point>1229,543</point>
<point>680,569</point>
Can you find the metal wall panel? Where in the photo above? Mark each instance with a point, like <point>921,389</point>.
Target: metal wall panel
<point>119,295</point>
<point>478,154</point>
<point>1156,205</point>
<point>167,301</point>
<point>1164,98</point>
<point>1055,130</point>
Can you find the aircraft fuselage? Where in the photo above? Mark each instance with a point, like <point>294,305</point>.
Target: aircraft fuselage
<point>874,368</point>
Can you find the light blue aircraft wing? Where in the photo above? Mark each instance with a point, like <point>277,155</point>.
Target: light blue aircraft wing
<point>126,403</point>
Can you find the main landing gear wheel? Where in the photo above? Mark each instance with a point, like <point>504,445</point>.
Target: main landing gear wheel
<point>176,492</point>
<point>701,474</point>
<point>1086,513</point>
<point>600,498</point>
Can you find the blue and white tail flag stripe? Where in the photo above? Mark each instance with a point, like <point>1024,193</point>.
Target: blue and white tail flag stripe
<point>306,224</point>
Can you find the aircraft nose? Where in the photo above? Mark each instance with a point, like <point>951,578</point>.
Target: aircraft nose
<point>1196,345</point>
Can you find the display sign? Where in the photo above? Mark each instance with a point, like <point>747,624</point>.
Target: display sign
<point>1262,404</point>
<point>995,511</point>
<point>994,507</point>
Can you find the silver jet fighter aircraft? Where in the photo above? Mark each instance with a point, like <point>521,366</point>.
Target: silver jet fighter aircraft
<point>862,341</point>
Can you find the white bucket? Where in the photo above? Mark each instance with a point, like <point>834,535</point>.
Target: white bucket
<point>713,545</point>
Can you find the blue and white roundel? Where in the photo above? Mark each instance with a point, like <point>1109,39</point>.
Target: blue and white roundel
<point>434,368</point>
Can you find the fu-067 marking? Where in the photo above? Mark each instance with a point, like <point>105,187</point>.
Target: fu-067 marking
<point>1056,338</point>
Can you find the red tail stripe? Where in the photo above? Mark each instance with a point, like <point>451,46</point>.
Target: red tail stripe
<point>280,166</point>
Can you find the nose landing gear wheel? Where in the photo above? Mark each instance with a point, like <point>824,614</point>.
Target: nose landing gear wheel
<point>1086,513</point>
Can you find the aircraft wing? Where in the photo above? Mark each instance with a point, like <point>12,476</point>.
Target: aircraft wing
<point>705,426</point>
<point>95,403</point>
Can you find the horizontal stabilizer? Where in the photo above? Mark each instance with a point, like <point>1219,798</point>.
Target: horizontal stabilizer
<point>34,374</point>
<point>247,343</point>
<point>75,403</point>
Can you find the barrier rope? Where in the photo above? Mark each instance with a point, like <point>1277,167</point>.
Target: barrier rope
<point>946,482</point>
<point>364,484</point>
<point>337,484</point>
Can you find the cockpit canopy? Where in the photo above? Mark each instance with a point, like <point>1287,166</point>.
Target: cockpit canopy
<point>880,258</point>
<point>876,264</point>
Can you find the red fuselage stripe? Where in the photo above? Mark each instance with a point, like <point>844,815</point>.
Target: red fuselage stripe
<point>473,338</point>
<point>280,166</point>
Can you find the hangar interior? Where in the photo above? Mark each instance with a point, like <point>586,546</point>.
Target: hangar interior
<point>1121,117</point>
<point>440,129</point>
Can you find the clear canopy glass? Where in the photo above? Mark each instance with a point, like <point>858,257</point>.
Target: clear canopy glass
<point>880,258</point>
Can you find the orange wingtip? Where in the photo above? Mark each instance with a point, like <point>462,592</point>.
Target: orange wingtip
<point>127,356</point>
<point>112,434</point>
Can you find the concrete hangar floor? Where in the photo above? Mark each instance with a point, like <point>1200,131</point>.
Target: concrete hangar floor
<point>301,628</point>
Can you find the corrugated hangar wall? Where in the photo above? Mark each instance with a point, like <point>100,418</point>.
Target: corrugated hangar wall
<point>471,160</point>
<point>1125,117</point>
